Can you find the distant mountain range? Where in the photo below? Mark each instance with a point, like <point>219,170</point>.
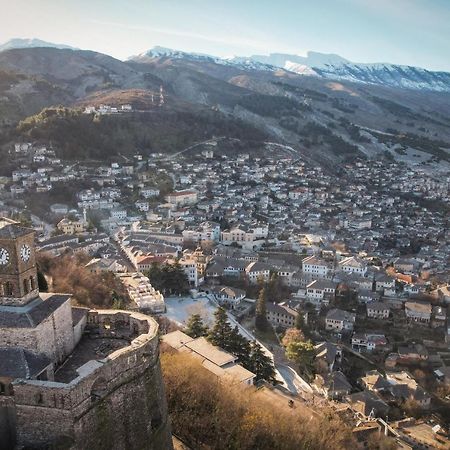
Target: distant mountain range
<point>324,65</point>
<point>321,106</point>
<point>31,43</point>
<point>328,66</point>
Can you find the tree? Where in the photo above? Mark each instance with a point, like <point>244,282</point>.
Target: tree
<point>301,325</point>
<point>221,331</point>
<point>168,278</point>
<point>300,322</point>
<point>239,346</point>
<point>260,317</point>
<point>195,327</point>
<point>274,288</point>
<point>302,354</point>
<point>260,364</point>
<point>293,335</point>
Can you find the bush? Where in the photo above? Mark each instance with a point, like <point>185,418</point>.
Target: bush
<point>208,414</point>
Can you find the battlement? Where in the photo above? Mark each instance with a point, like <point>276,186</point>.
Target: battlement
<point>86,387</point>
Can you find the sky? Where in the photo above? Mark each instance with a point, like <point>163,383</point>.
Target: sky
<point>410,32</point>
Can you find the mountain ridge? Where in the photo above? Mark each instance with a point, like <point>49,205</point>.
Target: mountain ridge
<point>324,65</point>
<point>326,120</point>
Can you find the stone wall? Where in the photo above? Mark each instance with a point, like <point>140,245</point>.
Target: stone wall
<point>53,337</point>
<point>117,402</point>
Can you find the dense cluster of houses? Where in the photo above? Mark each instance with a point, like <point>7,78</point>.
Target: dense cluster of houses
<point>366,252</point>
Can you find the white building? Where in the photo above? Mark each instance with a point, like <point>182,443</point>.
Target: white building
<point>353,265</point>
<point>315,267</point>
<point>378,310</point>
<point>339,320</point>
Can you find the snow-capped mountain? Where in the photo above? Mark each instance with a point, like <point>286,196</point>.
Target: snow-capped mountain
<point>336,67</point>
<point>241,62</point>
<point>31,43</point>
<point>320,64</point>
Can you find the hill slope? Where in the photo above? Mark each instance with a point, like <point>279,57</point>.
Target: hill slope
<point>326,120</point>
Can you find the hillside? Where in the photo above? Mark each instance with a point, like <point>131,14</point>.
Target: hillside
<point>327,121</point>
<point>78,136</point>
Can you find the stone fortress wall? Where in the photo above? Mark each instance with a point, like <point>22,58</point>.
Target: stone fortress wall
<point>113,403</point>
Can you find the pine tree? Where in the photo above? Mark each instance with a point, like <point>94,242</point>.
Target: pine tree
<point>220,333</point>
<point>299,321</point>
<point>195,327</point>
<point>260,317</point>
<point>239,346</point>
<point>260,364</point>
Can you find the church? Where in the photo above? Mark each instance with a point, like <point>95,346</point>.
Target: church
<point>52,371</point>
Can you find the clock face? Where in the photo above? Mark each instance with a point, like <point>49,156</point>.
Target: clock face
<point>25,253</point>
<point>4,257</point>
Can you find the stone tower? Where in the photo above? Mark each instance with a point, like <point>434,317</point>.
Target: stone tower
<point>18,276</point>
<point>70,377</point>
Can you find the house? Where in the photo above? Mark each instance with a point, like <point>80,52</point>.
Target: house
<point>59,209</point>
<point>214,359</point>
<point>314,266</point>
<point>320,291</point>
<point>333,385</point>
<point>228,296</point>
<point>118,213</point>
<point>411,353</point>
<point>439,316</point>
<point>182,198</point>
<point>280,315</point>
<point>378,310</point>
<point>206,231</point>
<point>404,265</point>
<point>353,265</point>
<point>339,320</point>
<point>383,281</point>
<point>442,293</point>
<point>328,354</point>
<point>398,386</point>
<point>98,265</point>
<point>368,404</point>
<point>68,226</point>
<point>257,271</point>
<point>418,311</point>
<point>368,341</point>
<point>366,296</point>
<point>149,192</point>
<point>142,205</point>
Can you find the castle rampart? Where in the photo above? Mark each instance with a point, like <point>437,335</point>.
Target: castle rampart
<point>113,402</point>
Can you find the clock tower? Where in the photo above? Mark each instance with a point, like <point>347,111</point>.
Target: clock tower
<point>18,273</point>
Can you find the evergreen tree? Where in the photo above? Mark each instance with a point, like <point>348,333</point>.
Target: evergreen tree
<point>300,321</point>
<point>195,327</point>
<point>239,347</point>
<point>221,332</point>
<point>260,364</point>
<point>260,317</point>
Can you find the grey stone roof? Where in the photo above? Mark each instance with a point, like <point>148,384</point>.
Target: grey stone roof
<point>31,315</point>
<point>19,363</point>
<point>12,231</point>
